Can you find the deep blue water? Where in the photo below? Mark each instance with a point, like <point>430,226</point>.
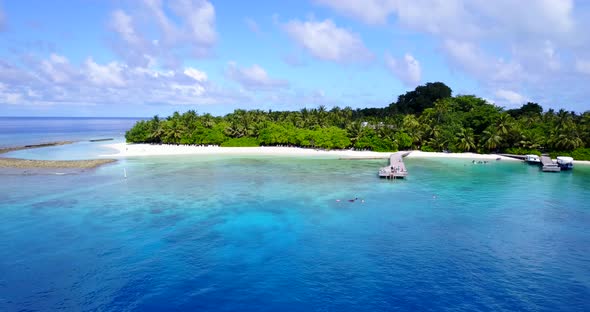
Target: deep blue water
<point>268,234</point>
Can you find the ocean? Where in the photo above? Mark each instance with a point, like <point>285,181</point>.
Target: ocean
<point>19,131</point>
<point>230,233</point>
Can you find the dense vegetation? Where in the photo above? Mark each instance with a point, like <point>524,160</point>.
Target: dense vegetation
<point>428,118</point>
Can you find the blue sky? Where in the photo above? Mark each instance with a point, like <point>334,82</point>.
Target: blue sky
<point>140,58</point>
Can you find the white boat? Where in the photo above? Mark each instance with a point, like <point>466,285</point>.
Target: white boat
<point>532,159</point>
<point>565,162</point>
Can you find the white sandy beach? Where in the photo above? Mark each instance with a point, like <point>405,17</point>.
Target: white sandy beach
<point>139,150</point>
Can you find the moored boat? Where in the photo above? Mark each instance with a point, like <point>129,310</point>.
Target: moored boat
<point>565,162</point>
<point>532,159</point>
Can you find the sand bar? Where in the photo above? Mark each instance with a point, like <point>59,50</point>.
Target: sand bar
<point>28,163</point>
<point>24,147</point>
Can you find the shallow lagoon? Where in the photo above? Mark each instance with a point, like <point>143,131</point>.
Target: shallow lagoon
<point>264,233</point>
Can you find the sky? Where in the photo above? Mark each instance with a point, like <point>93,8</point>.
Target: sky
<point>145,57</point>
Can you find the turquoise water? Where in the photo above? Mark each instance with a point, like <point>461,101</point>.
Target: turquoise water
<point>79,150</point>
<point>190,233</point>
<point>268,234</point>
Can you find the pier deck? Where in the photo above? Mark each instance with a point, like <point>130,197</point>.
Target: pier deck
<point>396,168</point>
<point>548,165</point>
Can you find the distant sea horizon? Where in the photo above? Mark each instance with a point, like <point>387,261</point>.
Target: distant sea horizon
<point>21,130</point>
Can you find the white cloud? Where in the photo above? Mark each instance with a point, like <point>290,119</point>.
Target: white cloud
<point>196,74</point>
<point>254,77</point>
<point>538,56</point>
<point>510,97</point>
<point>191,90</point>
<point>95,83</point>
<point>58,69</point>
<point>326,41</point>
<point>7,97</point>
<point>123,24</point>
<point>11,98</point>
<point>110,75</point>
<point>473,60</point>
<point>135,89</point>
<point>184,28</point>
<point>501,44</point>
<point>196,26</point>
<point>133,48</point>
<point>462,19</point>
<point>12,74</point>
<point>528,44</point>
<point>408,69</point>
<point>198,18</point>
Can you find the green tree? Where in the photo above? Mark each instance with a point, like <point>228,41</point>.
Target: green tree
<point>491,140</point>
<point>423,97</point>
<point>465,140</point>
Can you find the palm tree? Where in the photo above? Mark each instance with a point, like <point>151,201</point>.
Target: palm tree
<point>414,129</point>
<point>566,137</point>
<point>156,132</point>
<point>503,124</point>
<point>355,131</point>
<point>433,131</point>
<point>208,121</point>
<point>465,140</point>
<point>438,142</point>
<point>567,142</point>
<point>321,114</point>
<point>172,131</point>
<point>491,140</point>
<point>530,141</point>
<point>307,117</point>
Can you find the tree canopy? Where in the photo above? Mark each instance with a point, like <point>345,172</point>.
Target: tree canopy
<point>423,97</point>
<point>428,118</point>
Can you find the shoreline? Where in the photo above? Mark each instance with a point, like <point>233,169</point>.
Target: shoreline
<point>147,150</point>
<point>124,150</point>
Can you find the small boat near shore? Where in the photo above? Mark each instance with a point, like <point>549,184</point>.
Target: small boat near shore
<point>532,159</point>
<point>565,162</point>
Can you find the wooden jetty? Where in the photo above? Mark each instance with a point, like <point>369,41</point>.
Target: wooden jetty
<point>521,157</point>
<point>396,168</point>
<point>101,140</point>
<point>548,165</point>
